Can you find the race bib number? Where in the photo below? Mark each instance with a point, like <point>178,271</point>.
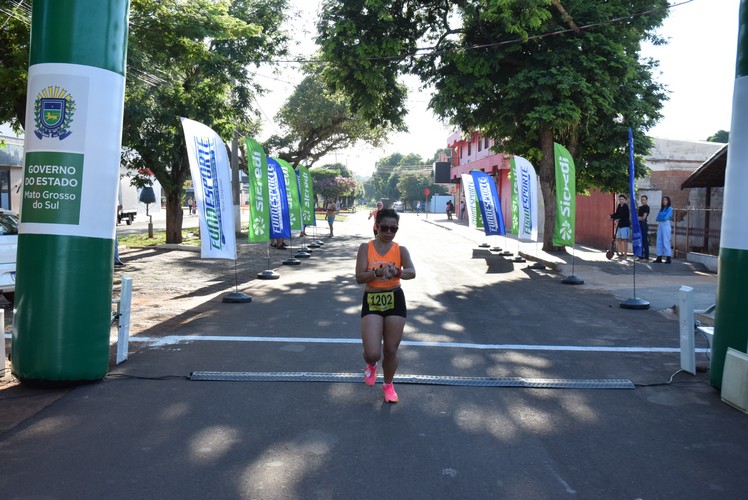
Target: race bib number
<point>381,301</point>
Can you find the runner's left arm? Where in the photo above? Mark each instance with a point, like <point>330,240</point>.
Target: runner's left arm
<point>408,270</point>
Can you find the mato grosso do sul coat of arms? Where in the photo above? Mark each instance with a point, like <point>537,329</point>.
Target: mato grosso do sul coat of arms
<point>53,111</point>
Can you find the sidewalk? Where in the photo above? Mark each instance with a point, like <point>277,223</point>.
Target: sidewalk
<point>658,284</point>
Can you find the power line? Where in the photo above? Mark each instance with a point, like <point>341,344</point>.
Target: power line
<point>11,12</point>
<point>419,52</point>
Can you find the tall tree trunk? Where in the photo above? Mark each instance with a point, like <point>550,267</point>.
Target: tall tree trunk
<point>20,105</point>
<point>547,176</point>
<point>174,214</point>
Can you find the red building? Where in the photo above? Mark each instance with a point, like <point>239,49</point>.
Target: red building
<point>474,153</point>
<point>593,228</point>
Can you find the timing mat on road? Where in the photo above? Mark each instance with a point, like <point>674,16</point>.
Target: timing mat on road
<point>528,383</point>
<point>185,339</point>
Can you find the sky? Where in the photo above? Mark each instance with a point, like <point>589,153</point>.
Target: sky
<point>697,66</point>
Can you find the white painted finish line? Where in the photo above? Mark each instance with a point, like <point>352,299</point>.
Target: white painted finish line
<point>183,339</point>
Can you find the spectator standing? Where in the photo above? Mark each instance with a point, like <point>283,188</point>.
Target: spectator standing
<point>117,261</point>
<point>332,210</point>
<point>643,215</point>
<point>664,230</point>
<point>462,209</point>
<point>623,232</point>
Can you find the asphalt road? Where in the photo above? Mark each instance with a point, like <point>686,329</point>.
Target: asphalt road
<point>149,432</point>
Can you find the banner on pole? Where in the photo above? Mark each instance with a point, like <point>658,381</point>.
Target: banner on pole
<point>292,194</point>
<point>636,231</point>
<point>471,202</point>
<point>526,186</point>
<point>488,201</point>
<point>280,223</point>
<point>513,177</point>
<point>211,178</point>
<point>563,232</point>
<point>259,196</point>
<point>306,196</point>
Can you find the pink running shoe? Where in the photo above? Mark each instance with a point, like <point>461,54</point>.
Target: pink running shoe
<point>390,396</point>
<point>370,374</point>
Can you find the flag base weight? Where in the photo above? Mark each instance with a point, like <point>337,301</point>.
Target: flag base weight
<point>291,262</point>
<point>313,245</point>
<point>484,245</point>
<point>635,303</point>
<point>268,274</point>
<point>518,259</point>
<point>237,298</point>
<point>496,249</point>
<point>572,280</point>
<point>301,254</point>
<point>536,265</point>
<point>506,253</point>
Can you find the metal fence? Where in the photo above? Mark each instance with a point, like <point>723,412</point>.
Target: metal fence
<point>697,230</point>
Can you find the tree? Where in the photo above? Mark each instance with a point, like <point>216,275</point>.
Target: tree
<point>411,186</point>
<point>446,151</point>
<point>189,58</point>
<point>318,122</point>
<point>387,170</point>
<point>521,71</point>
<point>720,136</point>
<point>333,181</point>
<point>14,61</point>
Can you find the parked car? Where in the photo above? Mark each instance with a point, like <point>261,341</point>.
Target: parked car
<point>399,206</point>
<point>8,246</point>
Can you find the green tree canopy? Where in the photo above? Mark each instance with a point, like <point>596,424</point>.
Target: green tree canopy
<point>399,176</point>
<point>411,186</point>
<point>317,122</point>
<point>387,170</point>
<point>521,71</point>
<point>14,60</point>
<point>332,181</point>
<point>189,58</point>
<point>720,136</point>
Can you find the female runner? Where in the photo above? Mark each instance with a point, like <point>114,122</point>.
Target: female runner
<point>380,265</point>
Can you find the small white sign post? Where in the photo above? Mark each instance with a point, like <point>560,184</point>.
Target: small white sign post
<point>687,343</point>
<point>123,319</point>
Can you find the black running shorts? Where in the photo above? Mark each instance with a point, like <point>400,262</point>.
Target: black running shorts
<point>390,303</point>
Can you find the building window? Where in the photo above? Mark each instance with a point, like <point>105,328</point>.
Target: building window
<point>486,140</point>
<point>469,148</point>
<point>480,144</point>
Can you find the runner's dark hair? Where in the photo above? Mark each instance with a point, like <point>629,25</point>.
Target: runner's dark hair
<point>387,213</point>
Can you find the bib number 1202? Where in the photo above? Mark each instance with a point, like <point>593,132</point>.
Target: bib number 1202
<point>382,301</point>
